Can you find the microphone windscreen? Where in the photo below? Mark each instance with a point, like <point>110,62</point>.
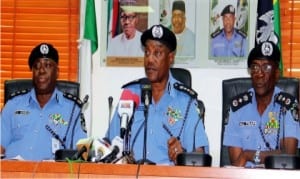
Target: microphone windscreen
<point>110,100</point>
<point>129,95</point>
<point>146,88</point>
<point>87,143</point>
<point>100,149</point>
<point>118,141</point>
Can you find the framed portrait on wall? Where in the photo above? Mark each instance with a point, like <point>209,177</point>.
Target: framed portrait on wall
<point>127,19</point>
<point>228,31</point>
<point>180,17</point>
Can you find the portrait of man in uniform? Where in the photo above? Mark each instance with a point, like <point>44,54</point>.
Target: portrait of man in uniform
<point>229,38</point>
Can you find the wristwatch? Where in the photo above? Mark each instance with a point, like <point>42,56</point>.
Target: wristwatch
<point>256,157</point>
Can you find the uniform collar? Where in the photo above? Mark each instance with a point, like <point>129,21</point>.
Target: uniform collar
<point>56,97</point>
<point>276,91</point>
<point>234,33</point>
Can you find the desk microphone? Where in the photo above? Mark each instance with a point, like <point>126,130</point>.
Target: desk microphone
<point>110,102</point>
<point>80,114</point>
<point>83,148</point>
<point>127,103</point>
<point>146,100</point>
<point>116,151</point>
<point>100,149</point>
<point>146,92</point>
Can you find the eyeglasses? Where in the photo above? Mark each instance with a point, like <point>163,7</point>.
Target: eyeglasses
<point>129,18</point>
<point>265,68</point>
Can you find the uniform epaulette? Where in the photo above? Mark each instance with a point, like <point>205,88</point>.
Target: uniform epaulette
<point>242,33</point>
<point>241,100</point>
<point>17,93</point>
<point>137,81</point>
<point>216,33</point>
<point>73,98</point>
<point>186,89</point>
<point>289,102</point>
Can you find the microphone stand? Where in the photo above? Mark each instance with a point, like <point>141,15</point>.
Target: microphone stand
<point>126,148</point>
<point>146,112</point>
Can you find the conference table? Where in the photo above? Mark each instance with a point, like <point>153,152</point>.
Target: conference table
<point>52,169</point>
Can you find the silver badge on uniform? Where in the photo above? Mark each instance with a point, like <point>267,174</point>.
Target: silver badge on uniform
<point>267,49</point>
<point>157,32</point>
<point>44,49</point>
<point>231,9</point>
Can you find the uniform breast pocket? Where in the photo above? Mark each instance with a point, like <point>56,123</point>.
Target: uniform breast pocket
<point>20,127</point>
<point>249,137</point>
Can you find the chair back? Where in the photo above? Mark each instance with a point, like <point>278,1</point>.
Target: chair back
<point>235,86</point>
<point>12,86</point>
<point>182,75</point>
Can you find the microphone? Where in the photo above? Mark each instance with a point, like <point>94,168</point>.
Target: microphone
<point>146,100</point>
<point>110,102</point>
<point>83,148</point>
<point>125,109</point>
<point>100,149</point>
<point>146,91</point>
<point>116,151</point>
<point>80,114</point>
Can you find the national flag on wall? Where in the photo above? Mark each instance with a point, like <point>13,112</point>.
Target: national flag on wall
<point>113,18</point>
<point>268,24</point>
<point>90,25</point>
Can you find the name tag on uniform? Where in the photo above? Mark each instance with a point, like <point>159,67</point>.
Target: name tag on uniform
<point>21,112</point>
<point>55,145</point>
<point>247,123</point>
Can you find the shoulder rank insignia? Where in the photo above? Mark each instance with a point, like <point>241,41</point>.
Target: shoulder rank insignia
<point>241,100</point>
<point>242,33</point>
<point>17,93</point>
<point>216,33</point>
<point>74,98</point>
<point>186,89</point>
<point>137,81</point>
<point>289,102</point>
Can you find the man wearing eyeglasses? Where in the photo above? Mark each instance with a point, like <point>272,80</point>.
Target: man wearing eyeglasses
<point>128,42</point>
<point>258,116</point>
